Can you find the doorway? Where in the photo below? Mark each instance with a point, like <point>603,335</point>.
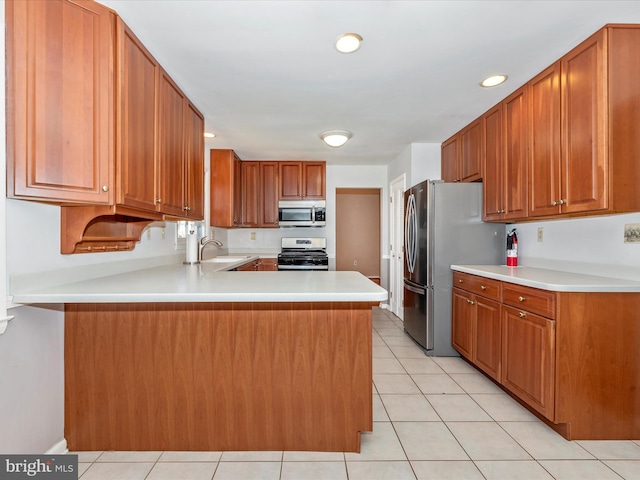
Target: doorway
<point>358,231</point>
<point>396,245</point>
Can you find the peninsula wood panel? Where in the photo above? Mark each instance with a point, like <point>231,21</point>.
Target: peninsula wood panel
<point>218,376</point>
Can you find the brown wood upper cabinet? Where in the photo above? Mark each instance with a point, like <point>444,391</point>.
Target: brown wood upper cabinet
<point>161,156</point>
<point>127,146</point>
<point>302,180</point>
<point>226,188</point>
<point>580,130</point>
<point>505,158</point>
<point>243,193</point>
<point>155,167</point>
<point>60,97</point>
<point>462,155</point>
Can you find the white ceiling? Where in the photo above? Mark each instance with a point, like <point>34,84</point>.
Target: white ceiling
<point>268,80</point>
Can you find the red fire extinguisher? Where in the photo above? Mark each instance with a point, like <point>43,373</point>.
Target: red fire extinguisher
<point>512,249</point>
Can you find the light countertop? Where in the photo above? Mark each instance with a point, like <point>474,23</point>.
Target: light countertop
<point>552,280</point>
<point>209,282</point>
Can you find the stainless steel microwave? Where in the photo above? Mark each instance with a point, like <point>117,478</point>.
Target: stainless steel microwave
<point>301,213</point>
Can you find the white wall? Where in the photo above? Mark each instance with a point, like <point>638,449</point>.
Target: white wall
<point>425,162</point>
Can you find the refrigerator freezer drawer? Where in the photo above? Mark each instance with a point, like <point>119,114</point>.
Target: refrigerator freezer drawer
<point>415,313</point>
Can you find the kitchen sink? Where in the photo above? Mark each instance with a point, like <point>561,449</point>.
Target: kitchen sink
<point>226,259</point>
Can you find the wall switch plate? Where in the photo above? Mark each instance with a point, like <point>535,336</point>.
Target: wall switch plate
<point>632,233</point>
<point>540,234</point>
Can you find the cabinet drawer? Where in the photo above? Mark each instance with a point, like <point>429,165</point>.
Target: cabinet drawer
<point>530,299</point>
<point>485,287</point>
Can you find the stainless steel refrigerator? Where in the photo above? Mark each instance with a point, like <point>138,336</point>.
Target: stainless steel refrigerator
<point>443,226</point>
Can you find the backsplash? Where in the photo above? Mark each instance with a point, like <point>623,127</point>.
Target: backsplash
<point>592,245</point>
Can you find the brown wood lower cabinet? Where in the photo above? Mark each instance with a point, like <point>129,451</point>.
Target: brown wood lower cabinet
<point>218,376</point>
<point>572,358</point>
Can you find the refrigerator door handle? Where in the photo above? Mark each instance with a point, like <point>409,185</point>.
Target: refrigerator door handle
<point>419,291</point>
<point>410,233</point>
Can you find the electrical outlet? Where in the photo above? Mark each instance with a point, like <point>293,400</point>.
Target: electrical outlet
<point>540,234</point>
<point>253,235</point>
<point>355,262</point>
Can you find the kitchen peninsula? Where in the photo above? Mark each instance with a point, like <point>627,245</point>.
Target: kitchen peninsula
<point>189,357</point>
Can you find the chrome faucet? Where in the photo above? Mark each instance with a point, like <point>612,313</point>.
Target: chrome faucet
<point>204,242</point>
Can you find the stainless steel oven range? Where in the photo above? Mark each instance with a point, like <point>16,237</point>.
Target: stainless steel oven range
<point>303,254</point>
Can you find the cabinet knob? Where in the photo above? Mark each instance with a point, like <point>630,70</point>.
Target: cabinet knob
<point>460,280</point>
<point>457,180</point>
<point>482,287</point>
<point>563,202</point>
<point>554,203</point>
<point>522,314</point>
<point>522,299</point>
<point>186,208</point>
<point>105,188</point>
<point>158,200</point>
<point>471,302</point>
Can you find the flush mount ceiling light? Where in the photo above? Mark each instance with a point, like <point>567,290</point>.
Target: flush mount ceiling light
<point>494,80</point>
<point>335,138</point>
<point>209,135</point>
<point>348,43</point>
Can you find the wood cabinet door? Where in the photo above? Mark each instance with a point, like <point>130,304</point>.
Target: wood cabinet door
<point>224,185</point>
<point>584,127</point>
<point>290,180</point>
<point>194,163</point>
<point>314,180</point>
<point>471,152</point>
<point>60,100</point>
<point>544,143</point>
<point>449,162</point>
<point>528,358</point>
<point>171,148</point>
<point>268,265</point>
<point>493,170</point>
<point>250,194</point>
<point>487,351</point>
<point>138,81</point>
<point>268,194</point>
<point>463,320</point>
<point>514,160</point>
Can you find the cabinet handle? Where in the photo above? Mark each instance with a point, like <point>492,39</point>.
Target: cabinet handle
<point>482,287</point>
<point>471,302</point>
<point>562,202</point>
<point>105,188</point>
<point>522,299</point>
<point>554,203</point>
<point>460,280</point>
<point>158,200</point>
<point>187,209</point>
<point>457,180</point>
<point>522,314</point>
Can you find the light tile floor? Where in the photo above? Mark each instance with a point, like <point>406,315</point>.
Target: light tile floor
<point>434,418</point>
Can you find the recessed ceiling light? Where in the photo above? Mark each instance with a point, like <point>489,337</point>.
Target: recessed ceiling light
<point>494,80</point>
<point>209,135</point>
<point>336,138</point>
<point>348,43</point>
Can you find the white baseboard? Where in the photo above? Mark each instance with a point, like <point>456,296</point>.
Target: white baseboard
<point>58,448</point>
